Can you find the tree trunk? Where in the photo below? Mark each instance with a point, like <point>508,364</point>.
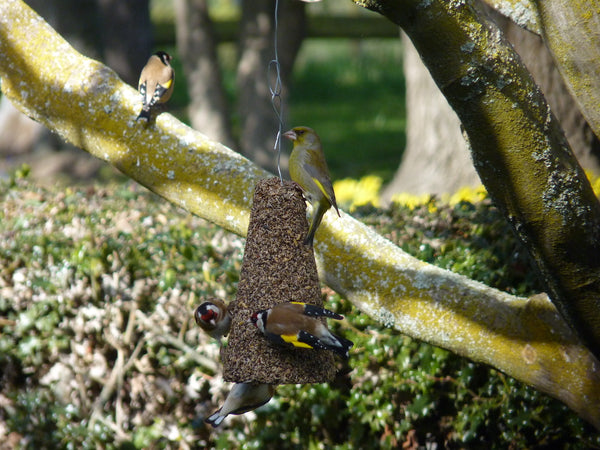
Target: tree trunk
<point>539,62</point>
<point>197,48</point>
<point>259,122</point>
<point>518,149</point>
<point>436,157</point>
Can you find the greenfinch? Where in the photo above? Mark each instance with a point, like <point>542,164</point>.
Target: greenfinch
<point>309,169</point>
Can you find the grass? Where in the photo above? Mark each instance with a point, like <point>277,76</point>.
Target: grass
<point>353,93</point>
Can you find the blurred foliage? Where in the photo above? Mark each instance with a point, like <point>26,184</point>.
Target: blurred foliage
<point>367,77</point>
<point>353,94</point>
<point>98,348</point>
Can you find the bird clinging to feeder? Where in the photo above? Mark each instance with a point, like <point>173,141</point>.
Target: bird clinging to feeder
<point>277,267</point>
<point>214,318</point>
<point>308,168</point>
<point>297,324</point>
<point>242,398</point>
<point>156,84</point>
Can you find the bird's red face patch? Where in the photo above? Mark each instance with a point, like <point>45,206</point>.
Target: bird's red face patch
<point>209,316</point>
<point>254,318</point>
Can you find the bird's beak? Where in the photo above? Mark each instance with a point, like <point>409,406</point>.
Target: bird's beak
<point>291,135</point>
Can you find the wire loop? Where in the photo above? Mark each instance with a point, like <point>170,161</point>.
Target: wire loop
<point>275,90</point>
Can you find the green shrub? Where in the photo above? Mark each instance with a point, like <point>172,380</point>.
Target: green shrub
<point>98,347</point>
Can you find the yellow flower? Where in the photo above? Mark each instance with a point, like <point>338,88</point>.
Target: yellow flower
<point>411,201</point>
<point>466,194</point>
<point>354,193</point>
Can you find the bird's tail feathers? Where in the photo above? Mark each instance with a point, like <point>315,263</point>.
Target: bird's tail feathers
<point>344,347</point>
<point>334,343</point>
<point>144,114</point>
<point>215,419</point>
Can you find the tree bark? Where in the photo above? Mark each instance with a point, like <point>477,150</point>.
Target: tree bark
<point>197,48</point>
<point>538,60</point>
<point>570,29</point>
<point>518,149</point>
<point>258,120</point>
<point>436,159</point>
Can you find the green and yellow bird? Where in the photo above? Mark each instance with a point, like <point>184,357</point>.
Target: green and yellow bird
<point>309,169</point>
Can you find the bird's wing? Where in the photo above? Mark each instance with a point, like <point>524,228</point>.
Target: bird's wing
<point>312,341</point>
<point>316,311</point>
<point>142,89</point>
<point>289,339</point>
<point>324,186</point>
<point>159,91</point>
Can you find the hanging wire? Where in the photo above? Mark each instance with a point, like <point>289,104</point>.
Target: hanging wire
<point>275,90</point>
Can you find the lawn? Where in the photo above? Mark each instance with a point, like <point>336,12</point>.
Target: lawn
<point>353,93</point>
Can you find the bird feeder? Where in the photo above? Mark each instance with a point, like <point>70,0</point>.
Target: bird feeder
<point>277,267</point>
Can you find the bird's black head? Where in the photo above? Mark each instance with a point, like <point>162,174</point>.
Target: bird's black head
<point>206,312</point>
<point>164,57</point>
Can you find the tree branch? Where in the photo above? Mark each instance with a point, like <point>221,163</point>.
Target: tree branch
<point>570,30</point>
<point>518,149</point>
<point>88,105</point>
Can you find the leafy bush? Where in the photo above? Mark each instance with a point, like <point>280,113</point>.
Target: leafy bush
<point>98,347</point>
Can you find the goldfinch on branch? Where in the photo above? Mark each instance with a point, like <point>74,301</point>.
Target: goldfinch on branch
<point>214,318</point>
<point>298,325</point>
<point>242,398</point>
<point>308,168</point>
<point>156,84</point>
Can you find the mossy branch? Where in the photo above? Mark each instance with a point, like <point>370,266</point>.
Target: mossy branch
<point>570,30</point>
<point>88,105</point>
<point>522,12</point>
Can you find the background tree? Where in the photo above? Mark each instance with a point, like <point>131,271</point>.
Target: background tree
<point>258,121</point>
<point>436,158</point>
<point>197,48</point>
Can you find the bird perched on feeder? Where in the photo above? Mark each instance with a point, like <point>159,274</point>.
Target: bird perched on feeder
<point>156,84</point>
<point>242,398</point>
<point>298,324</point>
<point>309,169</point>
<point>214,318</point>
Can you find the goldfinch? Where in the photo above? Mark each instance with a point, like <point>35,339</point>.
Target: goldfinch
<point>214,318</point>
<point>309,169</point>
<point>242,398</point>
<point>156,84</point>
<point>297,324</point>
